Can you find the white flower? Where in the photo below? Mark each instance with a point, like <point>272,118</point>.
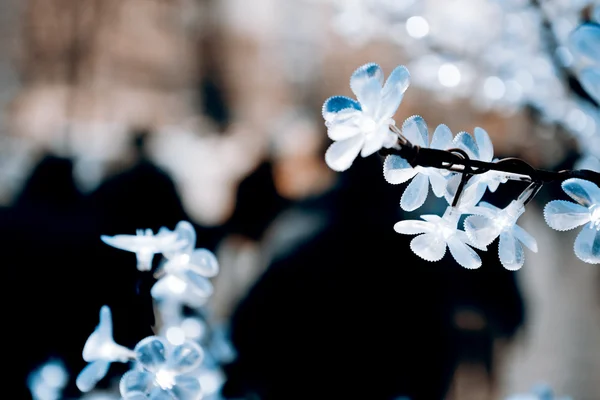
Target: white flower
<point>482,149</point>
<point>363,126</point>
<point>100,350</point>
<point>397,170</point>
<point>435,234</point>
<point>565,215</point>
<point>145,244</point>
<point>492,222</point>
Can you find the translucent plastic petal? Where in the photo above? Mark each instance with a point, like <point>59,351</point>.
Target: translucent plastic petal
<point>463,254</point>
<point>185,357</point>
<point>345,125</point>
<point>442,138</point>
<point>397,170</point>
<point>151,353</point>
<point>585,40</point>
<point>493,185</point>
<point>451,187</point>
<point>415,193</point>
<point>429,246</point>
<point>584,192</point>
<point>481,230</point>
<point>564,215</point>
<point>335,104</point>
<point>465,142</point>
<point>374,143</point>
<point>198,284</point>
<point>434,219</point>
<point>204,263</point>
<point>91,375</point>
<point>590,80</point>
<point>186,388</point>
<point>125,242</point>
<point>135,396</point>
<point>413,227</point>
<point>484,144</point>
<point>393,90</point>
<point>473,192</point>
<point>587,245</point>
<point>366,83</point>
<point>158,393</point>
<point>510,252</point>
<point>340,155</point>
<point>525,237</point>
<point>438,184</point>
<point>135,381</point>
<point>415,130</point>
<point>185,232</point>
<point>93,348</point>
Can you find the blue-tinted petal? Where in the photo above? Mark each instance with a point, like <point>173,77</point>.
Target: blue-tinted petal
<point>564,215</point>
<point>481,230</point>
<point>374,143</point>
<point>429,246</point>
<point>393,91</point>
<point>340,155</point>
<point>463,254</point>
<point>397,170</point>
<point>484,145</point>
<point>91,375</point>
<point>344,125</point>
<point>135,381</point>
<point>587,245</point>
<point>185,232</point>
<point>590,80</point>
<point>92,350</point>
<point>413,227</point>
<point>584,192</point>
<point>186,388</point>
<point>335,104</point>
<point>415,193</point>
<point>416,131</point>
<point>185,357</point>
<point>151,353</point>
<point>204,263</point>
<point>585,40</point>
<point>526,238</point>
<point>442,138</point>
<point>198,284</point>
<point>465,142</point>
<point>510,251</point>
<point>438,184</point>
<point>364,81</point>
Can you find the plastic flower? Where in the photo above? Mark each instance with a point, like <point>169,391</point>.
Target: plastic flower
<point>585,41</point>
<point>397,170</point>
<point>435,234</point>
<point>163,371</point>
<point>145,244</point>
<point>100,350</point>
<point>565,215</point>
<point>492,222</point>
<point>363,126</point>
<point>480,148</point>
<point>48,381</point>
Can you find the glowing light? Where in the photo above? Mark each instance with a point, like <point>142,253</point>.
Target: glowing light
<point>175,284</point>
<point>165,378</point>
<point>54,375</point>
<point>494,88</point>
<point>175,335</point>
<point>449,75</point>
<point>417,27</point>
<point>192,328</point>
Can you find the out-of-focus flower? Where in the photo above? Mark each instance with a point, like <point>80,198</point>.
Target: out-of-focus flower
<point>363,126</point>
<point>48,381</point>
<point>539,392</point>
<point>565,215</point>
<point>100,350</point>
<point>163,371</point>
<point>145,244</point>
<point>585,41</point>
<point>492,222</point>
<point>435,234</point>
<point>397,170</point>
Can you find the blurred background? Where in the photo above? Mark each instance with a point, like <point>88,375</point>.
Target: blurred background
<point>126,114</point>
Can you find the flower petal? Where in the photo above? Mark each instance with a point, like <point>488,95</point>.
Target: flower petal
<point>465,142</point>
<point>185,357</point>
<point>525,237</point>
<point>335,104</point>
<point>135,381</point>
<point>442,138</point>
<point>186,388</point>
<point>585,40</point>
<point>157,393</point>
<point>151,352</point>
<point>102,334</point>
<point>587,245</point>
<point>413,227</point>
<point>415,193</point>
<point>564,215</point>
<point>590,80</point>
<point>91,375</point>
<point>481,230</point>
<point>510,252</point>
<point>472,192</point>
<point>374,143</point>
<point>438,183</point>
<point>397,170</point>
<point>429,247</point>
<point>340,155</point>
<point>415,130</point>
<point>463,254</point>
<point>584,192</point>
<point>345,125</point>
<point>393,91</point>
<point>484,144</point>
<point>366,83</point>
<point>198,284</point>
<point>135,396</point>
<point>204,263</point>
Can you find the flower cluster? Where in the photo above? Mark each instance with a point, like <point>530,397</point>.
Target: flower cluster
<point>169,366</point>
<point>362,127</point>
